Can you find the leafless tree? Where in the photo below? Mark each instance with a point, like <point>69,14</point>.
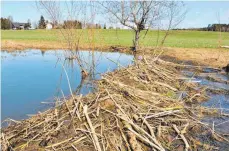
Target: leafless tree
<point>219,29</point>
<point>136,15</point>
<point>71,12</point>
<point>174,14</point>
<point>10,18</point>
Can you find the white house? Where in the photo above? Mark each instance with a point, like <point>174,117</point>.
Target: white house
<point>48,26</point>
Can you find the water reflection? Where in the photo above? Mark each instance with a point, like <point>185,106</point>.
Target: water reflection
<point>32,76</point>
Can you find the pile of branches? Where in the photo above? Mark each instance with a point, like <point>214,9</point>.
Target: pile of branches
<point>135,108</point>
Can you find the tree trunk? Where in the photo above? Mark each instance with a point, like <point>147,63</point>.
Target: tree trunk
<point>136,40</point>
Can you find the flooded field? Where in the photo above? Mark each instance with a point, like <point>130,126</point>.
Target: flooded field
<point>31,77</point>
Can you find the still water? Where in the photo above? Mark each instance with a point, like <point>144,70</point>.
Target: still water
<point>30,77</point>
<point>217,101</point>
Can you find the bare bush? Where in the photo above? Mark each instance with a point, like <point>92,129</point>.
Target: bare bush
<point>66,17</point>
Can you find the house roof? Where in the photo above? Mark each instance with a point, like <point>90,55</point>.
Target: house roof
<point>17,25</point>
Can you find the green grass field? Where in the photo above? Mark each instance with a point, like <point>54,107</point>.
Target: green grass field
<point>184,39</point>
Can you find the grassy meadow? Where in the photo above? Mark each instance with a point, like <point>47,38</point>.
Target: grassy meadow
<point>111,37</point>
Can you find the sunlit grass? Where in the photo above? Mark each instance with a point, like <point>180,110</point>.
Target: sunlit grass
<point>184,39</point>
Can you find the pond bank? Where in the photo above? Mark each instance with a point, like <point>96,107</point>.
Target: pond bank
<point>215,57</point>
<point>11,45</point>
<point>137,107</point>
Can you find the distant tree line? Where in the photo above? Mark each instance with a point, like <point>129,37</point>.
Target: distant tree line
<point>210,27</point>
<point>28,24</point>
<point>68,24</point>
<point>217,27</point>
<point>5,23</point>
<point>42,23</point>
<point>75,24</point>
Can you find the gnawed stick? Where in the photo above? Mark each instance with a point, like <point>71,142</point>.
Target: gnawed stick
<point>140,137</point>
<point>74,147</point>
<point>97,146</point>
<point>129,125</point>
<point>4,142</point>
<point>123,136</point>
<point>151,132</point>
<point>67,140</point>
<point>66,104</point>
<point>160,114</point>
<point>166,85</point>
<point>142,131</point>
<point>182,137</point>
<point>133,141</point>
<point>132,137</point>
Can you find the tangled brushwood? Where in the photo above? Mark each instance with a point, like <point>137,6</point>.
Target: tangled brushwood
<point>135,108</point>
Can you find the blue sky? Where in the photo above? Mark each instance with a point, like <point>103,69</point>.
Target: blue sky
<point>200,13</point>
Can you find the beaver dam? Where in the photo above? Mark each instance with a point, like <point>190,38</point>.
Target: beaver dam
<point>141,107</point>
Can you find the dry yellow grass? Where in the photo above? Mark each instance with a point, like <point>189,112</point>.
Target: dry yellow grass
<point>216,57</point>
<point>20,45</point>
<point>44,45</point>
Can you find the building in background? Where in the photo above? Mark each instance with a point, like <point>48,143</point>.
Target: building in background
<point>18,26</point>
<point>48,26</point>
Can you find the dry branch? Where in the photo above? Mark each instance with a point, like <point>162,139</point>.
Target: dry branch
<point>92,129</point>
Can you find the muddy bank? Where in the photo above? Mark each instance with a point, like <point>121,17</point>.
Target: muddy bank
<point>135,108</point>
